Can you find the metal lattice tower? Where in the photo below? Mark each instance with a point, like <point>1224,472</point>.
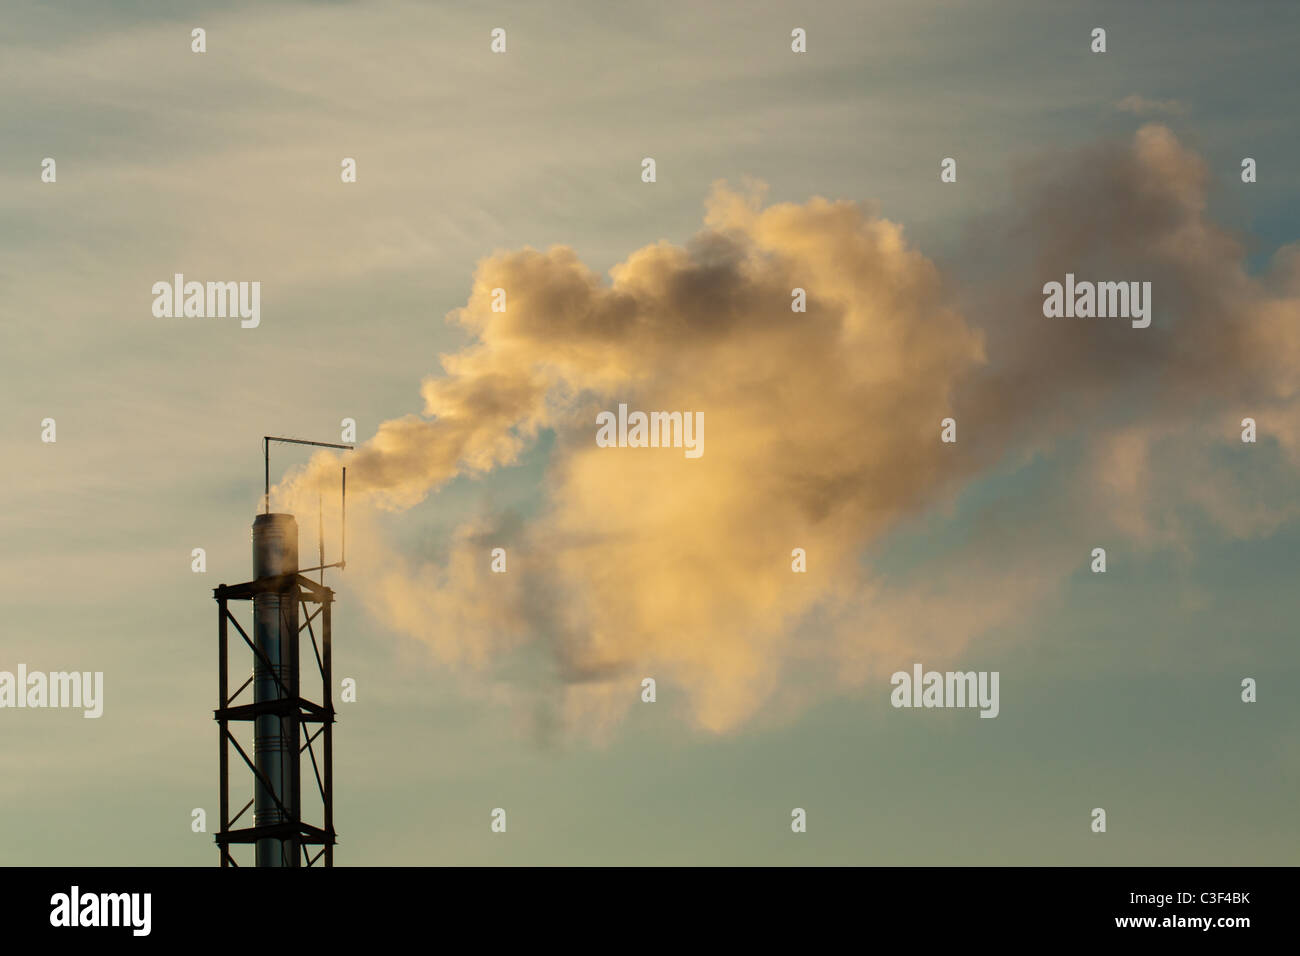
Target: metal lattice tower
<point>285,724</point>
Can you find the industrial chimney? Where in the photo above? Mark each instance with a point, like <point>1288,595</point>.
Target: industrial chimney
<point>287,727</point>
<point>275,678</point>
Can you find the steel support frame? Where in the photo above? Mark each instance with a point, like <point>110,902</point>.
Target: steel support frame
<point>290,703</point>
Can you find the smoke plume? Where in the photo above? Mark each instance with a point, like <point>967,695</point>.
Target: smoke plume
<point>822,429</point>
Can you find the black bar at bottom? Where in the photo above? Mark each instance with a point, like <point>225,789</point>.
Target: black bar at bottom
<point>667,908</point>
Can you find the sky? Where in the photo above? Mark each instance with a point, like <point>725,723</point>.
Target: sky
<point>523,171</point>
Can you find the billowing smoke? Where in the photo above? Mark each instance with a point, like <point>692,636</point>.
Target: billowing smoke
<point>822,429</point>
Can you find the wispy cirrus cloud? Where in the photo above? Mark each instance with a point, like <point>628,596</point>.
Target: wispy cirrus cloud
<point>1142,106</point>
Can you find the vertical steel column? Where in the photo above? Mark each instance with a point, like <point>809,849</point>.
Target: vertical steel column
<point>290,727</point>
<point>327,701</point>
<point>223,695</point>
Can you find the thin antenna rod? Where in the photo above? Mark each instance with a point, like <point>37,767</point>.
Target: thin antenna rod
<point>320,536</point>
<point>343,558</point>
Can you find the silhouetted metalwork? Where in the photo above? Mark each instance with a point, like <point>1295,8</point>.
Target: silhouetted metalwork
<point>282,719</point>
